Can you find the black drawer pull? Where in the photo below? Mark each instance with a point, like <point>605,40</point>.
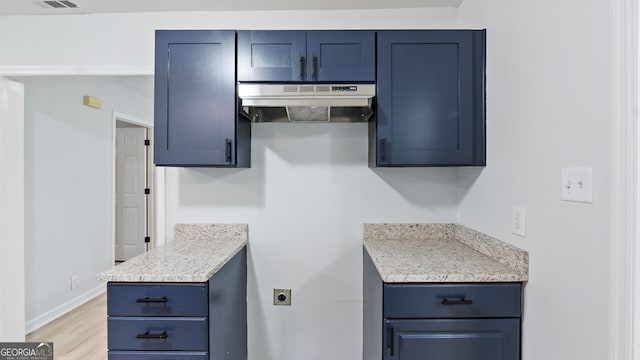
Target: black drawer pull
<point>152,336</point>
<point>461,301</point>
<point>152,300</point>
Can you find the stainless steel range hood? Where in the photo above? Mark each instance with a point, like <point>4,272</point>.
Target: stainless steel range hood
<point>307,102</point>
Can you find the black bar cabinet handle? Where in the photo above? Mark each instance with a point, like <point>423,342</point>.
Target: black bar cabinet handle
<point>301,74</point>
<point>314,73</point>
<point>392,341</point>
<point>147,335</point>
<point>383,150</point>
<point>152,300</point>
<point>461,301</point>
<point>227,150</point>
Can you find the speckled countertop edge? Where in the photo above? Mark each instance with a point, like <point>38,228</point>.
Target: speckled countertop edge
<point>196,254</point>
<point>408,231</point>
<point>442,253</point>
<point>506,254</point>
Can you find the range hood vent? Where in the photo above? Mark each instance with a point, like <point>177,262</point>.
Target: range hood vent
<point>307,103</point>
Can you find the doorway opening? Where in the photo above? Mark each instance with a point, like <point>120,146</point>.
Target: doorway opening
<point>134,190</point>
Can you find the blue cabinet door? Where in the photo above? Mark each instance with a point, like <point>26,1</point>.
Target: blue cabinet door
<point>341,56</point>
<point>195,100</point>
<point>271,56</point>
<point>306,56</point>
<point>430,96</point>
<point>452,339</point>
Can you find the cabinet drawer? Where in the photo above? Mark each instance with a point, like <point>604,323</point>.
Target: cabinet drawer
<point>403,301</point>
<point>135,299</point>
<point>160,333</point>
<point>157,355</point>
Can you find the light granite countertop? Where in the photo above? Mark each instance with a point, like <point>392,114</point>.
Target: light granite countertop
<point>420,253</point>
<point>196,254</point>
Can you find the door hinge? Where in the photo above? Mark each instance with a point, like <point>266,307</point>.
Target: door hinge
<point>147,239</point>
<point>147,191</point>
<point>147,142</point>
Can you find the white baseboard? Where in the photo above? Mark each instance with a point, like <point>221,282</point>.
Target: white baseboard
<point>49,316</point>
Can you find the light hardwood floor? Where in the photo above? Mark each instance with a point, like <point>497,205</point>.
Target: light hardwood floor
<point>78,335</point>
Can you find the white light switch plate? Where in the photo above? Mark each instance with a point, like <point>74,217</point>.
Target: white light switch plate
<point>577,184</point>
<point>518,222</point>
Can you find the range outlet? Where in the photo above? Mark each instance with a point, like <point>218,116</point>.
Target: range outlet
<point>282,297</point>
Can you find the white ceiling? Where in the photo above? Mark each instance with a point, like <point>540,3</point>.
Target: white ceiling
<point>32,7</point>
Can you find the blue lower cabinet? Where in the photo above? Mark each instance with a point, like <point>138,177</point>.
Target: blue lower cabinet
<point>439,321</point>
<point>157,355</point>
<point>452,339</point>
<point>175,321</point>
<point>158,333</point>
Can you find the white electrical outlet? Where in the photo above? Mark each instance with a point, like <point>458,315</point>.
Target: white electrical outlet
<point>518,222</point>
<point>75,282</point>
<point>577,184</point>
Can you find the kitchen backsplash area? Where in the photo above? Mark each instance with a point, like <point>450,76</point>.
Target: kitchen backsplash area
<point>305,198</point>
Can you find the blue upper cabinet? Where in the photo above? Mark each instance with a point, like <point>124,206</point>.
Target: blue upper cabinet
<point>341,56</point>
<point>430,99</point>
<point>271,56</point>
<point>306,56</point>
<point>196,122</point>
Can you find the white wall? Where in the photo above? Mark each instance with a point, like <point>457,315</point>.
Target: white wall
<point>68,184</point>
<point>305,197</point>
<point>123,43</point>
<point>549,77</point>
<point>12,253</point>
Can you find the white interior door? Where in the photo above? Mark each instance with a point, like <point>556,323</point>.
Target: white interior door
<point>131,203</point>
